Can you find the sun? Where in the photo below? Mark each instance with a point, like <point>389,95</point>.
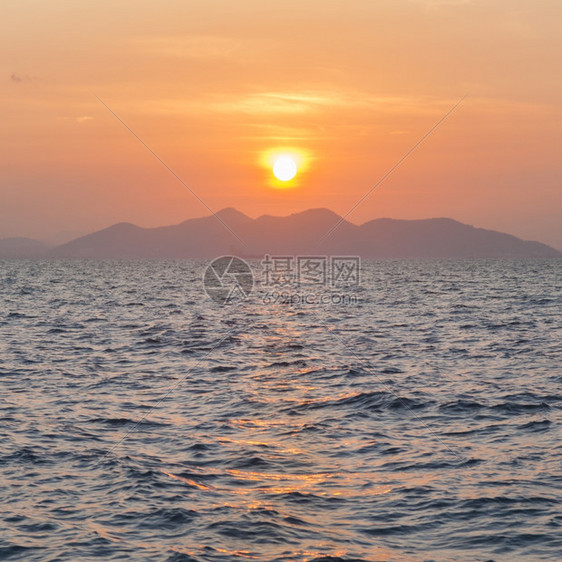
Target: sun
<point>285,168</point>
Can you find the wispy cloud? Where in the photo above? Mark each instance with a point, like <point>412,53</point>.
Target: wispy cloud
<point>19,78</point>
<point>291,103</point>
<point>437,3</point>
<point>80,119</point>
<point>277,102</point>
<point>316,101</point>
<point>190,46</point>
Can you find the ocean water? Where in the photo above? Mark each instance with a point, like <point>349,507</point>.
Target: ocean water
<point>142,421</point>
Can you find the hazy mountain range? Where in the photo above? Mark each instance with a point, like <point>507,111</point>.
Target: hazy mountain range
<point>22,248</point>
<point>300,233</point>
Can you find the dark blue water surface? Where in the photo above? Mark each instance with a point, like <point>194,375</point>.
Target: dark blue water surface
<point>142,421</point>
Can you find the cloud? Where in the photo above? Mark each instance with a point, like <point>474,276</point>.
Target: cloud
<point>19,78</point>
<point>277,102</point>
<point>440,3</point>
<point>287,103</point>
<point>79,120</point>
<point>317,101</point>
<point>191,47</point>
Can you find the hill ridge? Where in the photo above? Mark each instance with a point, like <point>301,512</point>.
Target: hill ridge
<point>300,233</point>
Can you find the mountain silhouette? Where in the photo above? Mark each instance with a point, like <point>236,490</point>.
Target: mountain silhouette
<point>299,233</point>
<point>22,248</point>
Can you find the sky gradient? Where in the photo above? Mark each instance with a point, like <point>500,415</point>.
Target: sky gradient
<point>216,87</point>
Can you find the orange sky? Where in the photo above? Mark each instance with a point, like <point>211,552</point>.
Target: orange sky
<point>212,86</point>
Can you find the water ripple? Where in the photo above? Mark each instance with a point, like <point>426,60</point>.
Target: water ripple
<point>140,421</point>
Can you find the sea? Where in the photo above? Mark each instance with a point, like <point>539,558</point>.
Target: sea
<point>412,414</point>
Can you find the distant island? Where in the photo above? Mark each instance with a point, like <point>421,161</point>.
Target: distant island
<point>299,233</point>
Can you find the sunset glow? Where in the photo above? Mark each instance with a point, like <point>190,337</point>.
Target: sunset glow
<point>280,280</point>
<point>212,89</point>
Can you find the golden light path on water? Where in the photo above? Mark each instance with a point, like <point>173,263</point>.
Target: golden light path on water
<point>253,432</point>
